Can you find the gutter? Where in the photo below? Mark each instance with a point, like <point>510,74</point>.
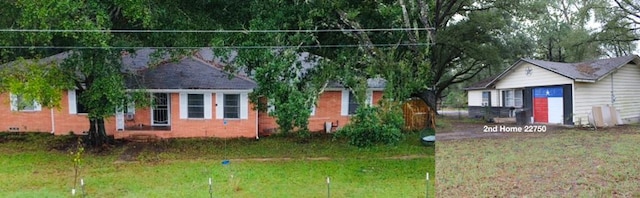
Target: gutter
<point>583,80</point>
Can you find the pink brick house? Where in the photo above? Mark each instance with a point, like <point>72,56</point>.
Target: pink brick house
<point>191,98</point>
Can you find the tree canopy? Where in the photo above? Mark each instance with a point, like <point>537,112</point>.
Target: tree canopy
<point>420,47</point>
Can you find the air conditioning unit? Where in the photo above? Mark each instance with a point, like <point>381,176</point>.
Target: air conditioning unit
<point>128,116</point>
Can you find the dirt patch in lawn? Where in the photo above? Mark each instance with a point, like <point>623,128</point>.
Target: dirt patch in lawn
<point>130,154</point>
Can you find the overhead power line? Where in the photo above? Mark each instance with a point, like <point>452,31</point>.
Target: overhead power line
<point>210,31</point>
<point>215,47</point>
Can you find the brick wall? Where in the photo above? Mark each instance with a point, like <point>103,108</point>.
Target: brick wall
<point>40,121</point>
<point>327,110</point>
<point>192,127</point>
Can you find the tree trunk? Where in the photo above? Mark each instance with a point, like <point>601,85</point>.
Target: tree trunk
<point>429,97</point>
<point>97,132</point>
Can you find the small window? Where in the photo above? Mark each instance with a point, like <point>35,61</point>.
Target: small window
<point>486,98</point>
<point>231,105</point>
<point>18,103</point>
<point>353,104</point>
<point>313,110</point>
<point>195,106</point>
<point>509,98</point>
<point>80,108</point>
<point>513,98</point>
<point>518,98</point>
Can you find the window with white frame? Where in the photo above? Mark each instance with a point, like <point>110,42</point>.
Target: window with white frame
<point>349,104</point>
<point>231,105</point>
<point>18,103</point>
<point>486,97</point>
<point>508,98</point>
<point>195,105</point>
<point>513,98</point>
<point>313,110</point>
<point>75,106</point>
<point>518,98</point>
<point>353,103</point>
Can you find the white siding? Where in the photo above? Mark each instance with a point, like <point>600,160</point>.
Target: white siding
<point>626,91</point>
<point>474,97</point>
<point>539,77</point>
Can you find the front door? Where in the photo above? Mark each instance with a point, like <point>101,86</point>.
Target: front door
<point>160,109</point>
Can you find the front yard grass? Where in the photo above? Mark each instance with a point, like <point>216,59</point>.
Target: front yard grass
<point>271,167</point>
<point>569,163</point>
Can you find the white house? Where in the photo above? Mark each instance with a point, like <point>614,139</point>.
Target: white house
<point>560,93</point>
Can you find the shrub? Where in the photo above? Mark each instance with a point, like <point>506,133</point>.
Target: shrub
<point>371,126</point>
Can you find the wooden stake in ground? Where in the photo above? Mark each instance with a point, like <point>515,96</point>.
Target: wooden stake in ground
<point>427,191</point>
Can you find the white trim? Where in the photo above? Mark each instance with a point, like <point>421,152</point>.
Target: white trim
<point>573,104</point>
<point>344,110</point>
<point>13,101</point>
<point>72,101</point>
<point>219,105</point>
<point>244,106</point>
<point>313,110</point>
<point>13,98</point>
<point>183,106</point>
<point>207,106</point>
<point>270,106</point>
<point>370,97</point>
<point>340,89</point>
<point>195,91</point>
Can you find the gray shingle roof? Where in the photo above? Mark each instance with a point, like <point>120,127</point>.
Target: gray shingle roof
<point>191,73</point>
<point>374,83</point>
<point>586,71</point>
<point>482,84</point>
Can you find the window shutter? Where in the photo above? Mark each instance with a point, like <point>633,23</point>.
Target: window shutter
<point>244,106</point>
<point>370,97</point>
<point>270,106</point>
<point>219,106</point>
<point>72,102</point>
<point>344,110</point>
<point>131,107</point>
<point>504,98</point>
<point>183,106</point>
<point>313,110</point>
<point>207,106</point>
<point>14,102</point>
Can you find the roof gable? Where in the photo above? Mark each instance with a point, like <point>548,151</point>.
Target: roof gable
<point>588,71</point>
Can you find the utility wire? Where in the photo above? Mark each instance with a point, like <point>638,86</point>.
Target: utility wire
<point>215,47</point>
<point>211,31</point>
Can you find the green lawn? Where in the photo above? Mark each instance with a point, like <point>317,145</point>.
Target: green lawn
<point>271,167</point>
<point>569,163</point>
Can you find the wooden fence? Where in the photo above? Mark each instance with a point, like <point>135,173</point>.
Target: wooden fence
<point>416,114</point>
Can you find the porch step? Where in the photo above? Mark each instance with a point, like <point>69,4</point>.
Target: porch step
<point>143,138</point>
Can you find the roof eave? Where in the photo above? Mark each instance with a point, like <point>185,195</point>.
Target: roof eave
<point>634,58</point>
<point>585,80</point>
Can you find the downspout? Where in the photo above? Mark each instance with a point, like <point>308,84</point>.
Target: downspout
<point>257,138</point>
<point>613,96</point>
<point>53,123</point>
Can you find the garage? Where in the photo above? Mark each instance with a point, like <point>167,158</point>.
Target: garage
<point>548,105</point>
